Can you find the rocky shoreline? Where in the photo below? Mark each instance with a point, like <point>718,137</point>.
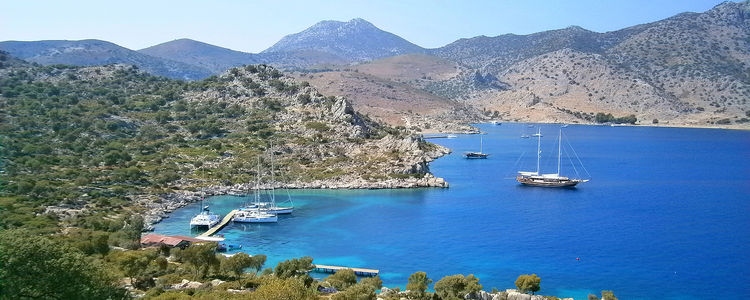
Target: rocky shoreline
<point>158,207</point>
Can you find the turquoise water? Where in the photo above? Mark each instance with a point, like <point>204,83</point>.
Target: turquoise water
<point>666,216</point>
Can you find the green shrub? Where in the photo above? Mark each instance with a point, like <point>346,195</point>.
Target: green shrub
<point>455,287</point>
<point>528,283</point>
<point>342,279</point>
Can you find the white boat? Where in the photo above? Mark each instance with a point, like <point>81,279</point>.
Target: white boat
<point>496,122</point>
<point>271,207</point>
<point>205,218</point>
<point>251,213</point>
<point>548,180</point>
<point>451,136</point>
<point>537,134</point>
<point>254,216</point>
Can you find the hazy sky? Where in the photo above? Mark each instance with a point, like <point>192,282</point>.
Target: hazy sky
<point>252,26</point>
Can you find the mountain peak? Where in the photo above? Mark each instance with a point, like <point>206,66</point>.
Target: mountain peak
<point>360,21</point>
<point>354,40</point>
<point>356,22</point>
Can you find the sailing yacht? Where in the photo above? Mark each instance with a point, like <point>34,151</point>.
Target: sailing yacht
<point>271,207</point>
<point>252,213</point>
<point>205,218</point>
<point>547,180</point>
<point>477,154</point>
<point>254,216</point>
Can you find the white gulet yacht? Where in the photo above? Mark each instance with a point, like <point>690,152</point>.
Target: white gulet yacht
<point>548,180</point>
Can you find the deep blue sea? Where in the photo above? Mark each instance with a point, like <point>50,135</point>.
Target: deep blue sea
<point>666,215</point>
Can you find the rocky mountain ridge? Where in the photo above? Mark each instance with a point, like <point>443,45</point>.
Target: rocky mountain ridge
<point>691,69</point>
<point>354,41</point>
<point>97,52</point>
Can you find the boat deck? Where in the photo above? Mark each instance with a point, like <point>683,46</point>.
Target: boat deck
<point>213,230</point>
<point>357,271</point>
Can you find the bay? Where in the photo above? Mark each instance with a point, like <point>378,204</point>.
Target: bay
<point>665,216</point>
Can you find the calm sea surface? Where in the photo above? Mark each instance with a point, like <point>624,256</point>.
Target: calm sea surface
<point>665,216</point>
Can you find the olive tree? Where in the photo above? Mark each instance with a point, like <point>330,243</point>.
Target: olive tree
<point>455,287</point>
<point>201,257</point>
<point>418,284</point>
<point>528,283</point>
<point>342,279</point>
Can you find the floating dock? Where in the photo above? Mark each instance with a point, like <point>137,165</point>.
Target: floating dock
<point>357,271</point>
<point>213,230</point>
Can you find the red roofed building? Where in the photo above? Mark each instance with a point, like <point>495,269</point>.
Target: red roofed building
<point>181,241</point>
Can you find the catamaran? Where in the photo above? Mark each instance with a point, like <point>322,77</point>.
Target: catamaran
<point>204,218</point>
<point>547,180</point>
<point>477,154</point>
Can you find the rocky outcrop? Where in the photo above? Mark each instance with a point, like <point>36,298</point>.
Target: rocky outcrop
<point>187,284</point>
<point>513,294</point>
<point>481,295</point>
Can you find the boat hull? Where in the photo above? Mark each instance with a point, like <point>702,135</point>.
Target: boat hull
<point>281,210</point>
<point>543,182</point>
<point>272,219</point>
<point>254,217</point>
<point>476,155</point>
<point>273,210</point>
<point>203,224</point>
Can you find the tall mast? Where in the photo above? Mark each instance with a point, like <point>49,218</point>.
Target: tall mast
<point>559,150</point>
<point>481,142</point>
<point>538,148</point>
<point>273,190</point>
<point>257,182</point>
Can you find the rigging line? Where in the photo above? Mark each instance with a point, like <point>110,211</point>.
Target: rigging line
<point>571,162</point>
<point>289,197</point>
<point>579,159</point>
<point>551,160</point>
<point>515,166</point>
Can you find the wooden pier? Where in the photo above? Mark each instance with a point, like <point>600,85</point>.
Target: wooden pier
<point>213,230</point>
<point>357,271</point>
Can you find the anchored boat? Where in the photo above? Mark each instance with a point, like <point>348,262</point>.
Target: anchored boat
<point>477,154</point>
<point>547,180</point>
<point>205,218</point>
<point>252,213</point>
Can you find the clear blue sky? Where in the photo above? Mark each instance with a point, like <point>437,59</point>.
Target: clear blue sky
<point>252,26</point>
